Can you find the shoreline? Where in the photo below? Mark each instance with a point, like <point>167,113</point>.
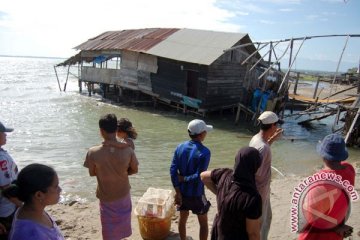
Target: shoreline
<point>81,221</point>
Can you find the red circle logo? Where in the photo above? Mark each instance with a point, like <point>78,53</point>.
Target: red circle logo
<point>325,205</point>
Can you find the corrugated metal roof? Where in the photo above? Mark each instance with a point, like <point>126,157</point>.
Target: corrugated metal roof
<point>188,45</point>
<point>136,39</point>
<point>196,46</point>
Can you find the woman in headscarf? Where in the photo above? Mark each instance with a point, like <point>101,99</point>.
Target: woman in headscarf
<point>238,201</point>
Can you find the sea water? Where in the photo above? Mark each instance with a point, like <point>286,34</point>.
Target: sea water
<point>57,128</point>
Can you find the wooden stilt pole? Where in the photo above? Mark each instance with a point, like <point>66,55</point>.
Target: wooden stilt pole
<point>57,78</point>
<point>296,82</point>
<point>67,77</point>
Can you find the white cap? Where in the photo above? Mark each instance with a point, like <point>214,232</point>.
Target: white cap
<point>198,126</point>
<point>269,117</point>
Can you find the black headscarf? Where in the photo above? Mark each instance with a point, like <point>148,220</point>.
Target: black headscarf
<point>237,196</point>
<point>247,162</point>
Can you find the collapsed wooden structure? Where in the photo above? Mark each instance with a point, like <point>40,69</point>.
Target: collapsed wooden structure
<point>332,105</point>
<point>314,107</point>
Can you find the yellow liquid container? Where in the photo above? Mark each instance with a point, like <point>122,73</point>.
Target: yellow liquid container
<point>154,211</point>
<point>153,228</point>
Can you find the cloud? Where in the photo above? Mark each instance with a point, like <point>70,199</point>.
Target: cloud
<point>268,22</point>
<point>244,6</point>
<point>3,15</point>
<point>329,13</point>
<point>312,17</point>
<point>286,10</point>
<point>240,13</point>
<point>58,26</point>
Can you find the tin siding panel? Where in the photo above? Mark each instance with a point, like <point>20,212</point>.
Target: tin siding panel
<point>100,75</point>
<point>169,82</point>
<point>147,63</point>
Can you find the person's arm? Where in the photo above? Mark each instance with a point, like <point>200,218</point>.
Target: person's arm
<point>90,165</point>
<point>253,228</point>
<point>176,179</point>
<point>7,191</point>
<point>174,172</point>
<point>206,179</point>
<point>203,166</point>
<point>16,201</point>
<point>134,164</point>
<point>344,230</point>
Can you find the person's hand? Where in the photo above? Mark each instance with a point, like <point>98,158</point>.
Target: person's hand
<point>344,230</point>
<point>276,135</point>
<point>181,178</point>
<point>2,229</point>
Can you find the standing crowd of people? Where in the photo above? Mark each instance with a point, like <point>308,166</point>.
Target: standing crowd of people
<point>242,193</point>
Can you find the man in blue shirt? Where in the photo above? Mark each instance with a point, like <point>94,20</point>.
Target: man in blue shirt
<point>190,159</point>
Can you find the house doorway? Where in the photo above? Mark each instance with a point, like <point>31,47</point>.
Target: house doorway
<point>192,83</point>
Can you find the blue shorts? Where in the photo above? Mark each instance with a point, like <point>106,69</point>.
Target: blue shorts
<point>198,205</point>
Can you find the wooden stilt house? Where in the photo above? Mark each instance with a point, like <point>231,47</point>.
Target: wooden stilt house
<point>187,68</point>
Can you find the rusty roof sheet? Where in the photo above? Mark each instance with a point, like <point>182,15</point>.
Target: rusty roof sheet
<point>139,40</point>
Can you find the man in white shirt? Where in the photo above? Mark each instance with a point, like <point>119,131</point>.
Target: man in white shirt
<point>268,133</point>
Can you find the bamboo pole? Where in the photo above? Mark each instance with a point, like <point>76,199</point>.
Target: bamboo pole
<point>337,68</point>
<point>316,87</point>
<point>289,39</point>
<point>269,51</point>
<point>251,55</point>
<point>275,62</point>
<point>288,71</point>
<point>67,77</point>
<point>57,78</point>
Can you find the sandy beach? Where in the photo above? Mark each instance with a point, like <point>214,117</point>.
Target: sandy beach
<point>81,220</point>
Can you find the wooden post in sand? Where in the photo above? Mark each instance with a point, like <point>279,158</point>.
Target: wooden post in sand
<point>296,82</point>
<point>316,87</point>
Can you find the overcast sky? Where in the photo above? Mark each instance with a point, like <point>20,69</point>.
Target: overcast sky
<point>52,28</point>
